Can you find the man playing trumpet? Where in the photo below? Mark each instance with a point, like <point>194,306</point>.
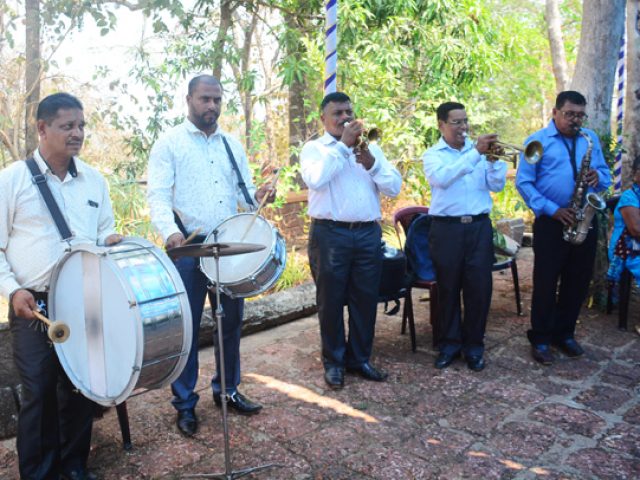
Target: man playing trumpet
<point>345,178</point>
<point>461,238</point>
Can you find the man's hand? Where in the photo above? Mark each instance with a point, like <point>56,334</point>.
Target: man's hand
<point>23,303</point>
<point>484,142</point>
<point>592,178</point>
<point>351,133</point>
<point>113,239</point>
<point>364,157</point>
<point>266,190</point>
<point>175,240</point>
<point>565,215</point>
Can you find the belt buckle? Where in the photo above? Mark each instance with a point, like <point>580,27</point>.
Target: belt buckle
<point>466,219</point>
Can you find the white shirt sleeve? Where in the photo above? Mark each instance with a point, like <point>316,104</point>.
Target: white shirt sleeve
<point>161,178</point>
<point>319,163</point>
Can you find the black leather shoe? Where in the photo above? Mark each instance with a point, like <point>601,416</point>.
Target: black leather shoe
<point>334,377</point>
<point>80,474</point>
<point>475,362</point>
<point>369,372</point>
<point>239,404</point>
<point>445,359</point>
<point>187,422</point>
<point>570,348</point>
<point>542,354</point>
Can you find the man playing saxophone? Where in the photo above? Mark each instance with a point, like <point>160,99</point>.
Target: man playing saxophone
<point>572,164</point>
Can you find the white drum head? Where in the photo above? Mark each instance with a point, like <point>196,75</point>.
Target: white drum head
<point>234,268</point>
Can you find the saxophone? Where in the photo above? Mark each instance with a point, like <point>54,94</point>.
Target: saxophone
<point>584,206</point>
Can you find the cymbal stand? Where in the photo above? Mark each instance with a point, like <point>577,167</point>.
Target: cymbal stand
<point>228,474</point>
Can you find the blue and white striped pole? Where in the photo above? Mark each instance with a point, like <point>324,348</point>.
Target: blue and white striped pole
<point>617,166</point>
<point>331,46</point>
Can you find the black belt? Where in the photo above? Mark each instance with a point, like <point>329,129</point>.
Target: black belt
<point>461,219</point>
<point>349,225</point>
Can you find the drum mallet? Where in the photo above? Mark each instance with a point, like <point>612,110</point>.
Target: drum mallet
<point>57,332</point>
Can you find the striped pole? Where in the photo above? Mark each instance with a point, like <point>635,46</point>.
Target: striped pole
<point>331,44</point>
<point>617,166</point>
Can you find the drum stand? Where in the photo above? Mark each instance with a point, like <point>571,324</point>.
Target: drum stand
<point>228,474</point>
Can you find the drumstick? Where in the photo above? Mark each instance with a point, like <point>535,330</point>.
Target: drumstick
<point>262,202</point>
<point>41,317</point>
<point>193,235</point>
<point>58,332</point>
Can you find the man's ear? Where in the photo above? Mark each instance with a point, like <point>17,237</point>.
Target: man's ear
<point>40,126</point>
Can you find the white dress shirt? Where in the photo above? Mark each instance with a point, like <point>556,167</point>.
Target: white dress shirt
<point>342,189</point>
<point>192,174</point>
<point>461,179</point>
<point>30,244</point>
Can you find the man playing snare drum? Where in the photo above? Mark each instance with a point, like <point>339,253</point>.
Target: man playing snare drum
<point>198,175</point>
<point>54,424</point>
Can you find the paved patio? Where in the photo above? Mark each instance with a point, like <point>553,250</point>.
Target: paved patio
<point>578,419</point>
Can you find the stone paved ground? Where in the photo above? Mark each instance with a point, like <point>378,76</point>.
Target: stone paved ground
<point>579,419</point>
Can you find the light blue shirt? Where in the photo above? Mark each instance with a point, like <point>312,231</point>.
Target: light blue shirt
<point>461,179</point>
<point>548,185</point>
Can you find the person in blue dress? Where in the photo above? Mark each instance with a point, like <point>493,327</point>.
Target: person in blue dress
<point>624,247</point>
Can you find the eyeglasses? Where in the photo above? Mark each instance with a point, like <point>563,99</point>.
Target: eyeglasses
<point>459,122</point>
<point>569,115</point>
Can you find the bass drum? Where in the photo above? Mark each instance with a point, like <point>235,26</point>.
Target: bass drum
<point>247,274</point>
<point>129,317</point>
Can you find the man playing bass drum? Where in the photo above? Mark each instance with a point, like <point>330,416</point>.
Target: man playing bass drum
<point>548,189</point>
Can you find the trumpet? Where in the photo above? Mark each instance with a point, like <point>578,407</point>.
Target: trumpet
<point>58,332</point>
<point>508,152</point>
<point>371,135</point>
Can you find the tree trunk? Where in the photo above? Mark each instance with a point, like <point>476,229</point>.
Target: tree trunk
<point>298,131</point>
<point>221,39</point>
<point>556,45</point>
<point>631,127</point>
<point>594,76</point>
<point>33,71</point>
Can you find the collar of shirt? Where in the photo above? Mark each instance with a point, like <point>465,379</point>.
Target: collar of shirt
<point>74,167</point>
<point>191,128</point>
<point>443,145</point>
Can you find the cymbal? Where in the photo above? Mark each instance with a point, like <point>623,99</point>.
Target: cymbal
<point>213,249</point>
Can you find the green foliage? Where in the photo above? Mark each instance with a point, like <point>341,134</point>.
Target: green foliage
<point>296,271</point>
<point>508,203</point>
<point>130,208</point>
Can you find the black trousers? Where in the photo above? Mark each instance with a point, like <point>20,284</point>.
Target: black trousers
<point>55,421</point>
<point>346,265</point>
<point>555,308</point>
<point>463,256</point>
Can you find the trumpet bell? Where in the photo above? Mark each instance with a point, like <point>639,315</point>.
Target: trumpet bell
<point>58,332</point>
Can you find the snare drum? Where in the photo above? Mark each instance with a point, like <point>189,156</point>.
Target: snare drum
<point>247,274</point>
<point>129,318</point>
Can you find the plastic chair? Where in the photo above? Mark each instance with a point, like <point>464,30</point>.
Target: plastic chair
<point>401,220</point>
